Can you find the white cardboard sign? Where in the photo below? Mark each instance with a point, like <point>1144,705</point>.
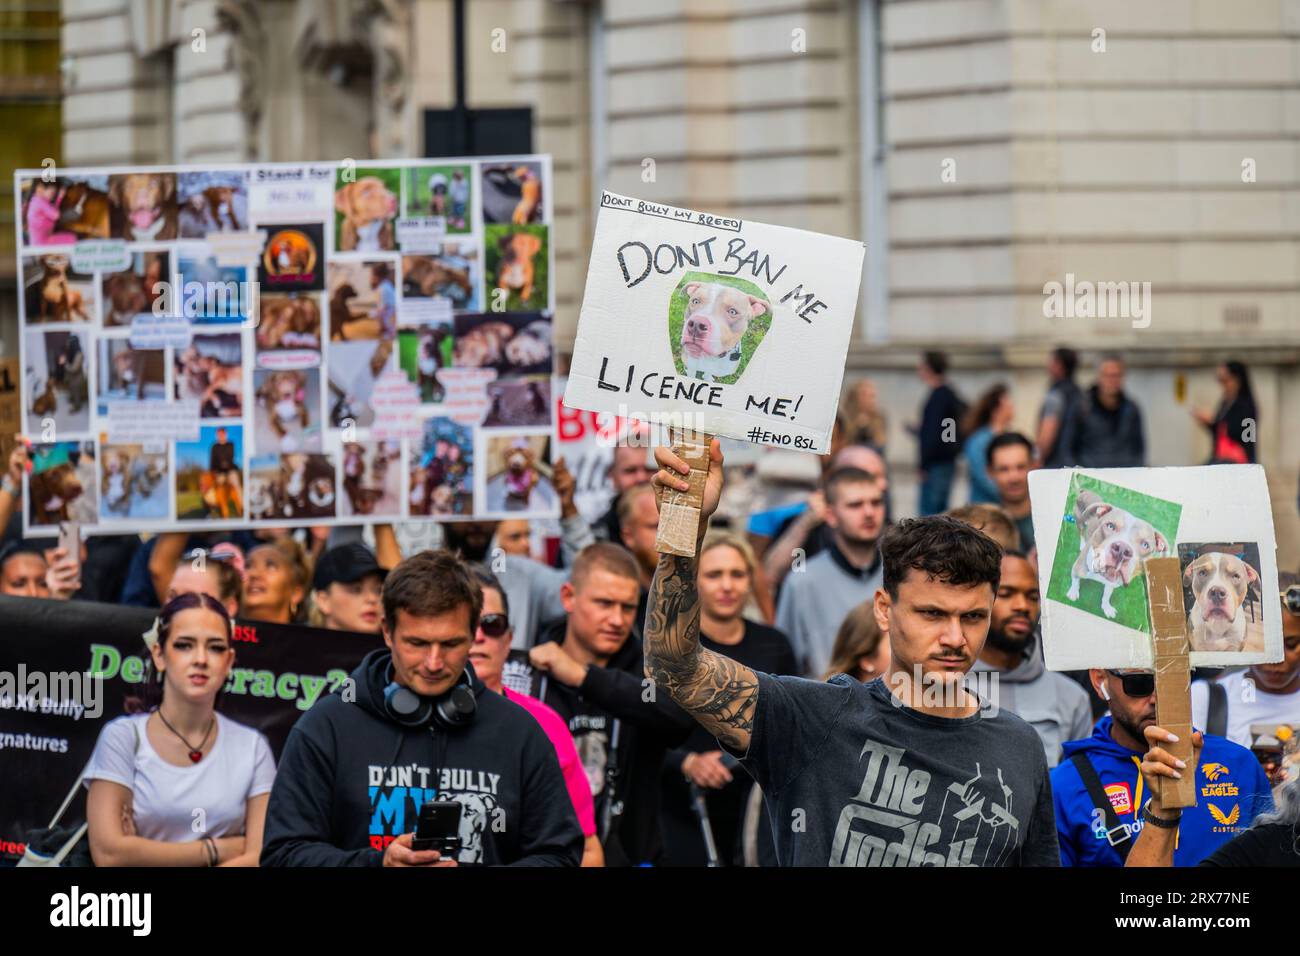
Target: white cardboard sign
<point>726,326</point>
<point>1094,527</point>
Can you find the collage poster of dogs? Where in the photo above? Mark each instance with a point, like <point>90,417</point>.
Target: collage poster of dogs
<point>735,328</point>
<point>1095,529</point>
<point>301,286</point>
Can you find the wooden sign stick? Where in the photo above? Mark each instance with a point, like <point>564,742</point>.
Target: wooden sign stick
<point>679,511</point>
<point>1170,643</point>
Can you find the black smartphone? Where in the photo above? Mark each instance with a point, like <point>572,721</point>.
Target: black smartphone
<point>438,828</point>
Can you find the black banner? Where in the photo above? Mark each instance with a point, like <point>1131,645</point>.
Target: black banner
<point>51,713</point>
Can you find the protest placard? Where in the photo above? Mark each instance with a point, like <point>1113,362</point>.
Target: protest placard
<point>721,325</point>
<point>1096,528</point>
<point>281,300</point>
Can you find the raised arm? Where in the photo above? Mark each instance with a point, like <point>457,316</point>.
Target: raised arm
<point>718,692</point>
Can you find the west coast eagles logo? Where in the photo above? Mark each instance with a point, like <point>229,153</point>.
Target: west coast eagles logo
<point>1227,819</point>
<point>1213,771</point>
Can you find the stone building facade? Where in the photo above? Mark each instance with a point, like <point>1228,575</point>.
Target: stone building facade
<point>982,149</point>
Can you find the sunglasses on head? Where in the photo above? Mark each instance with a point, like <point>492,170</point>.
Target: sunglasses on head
<point>1136,685</point>
<point>494,625</point>
<point>1291,599</point>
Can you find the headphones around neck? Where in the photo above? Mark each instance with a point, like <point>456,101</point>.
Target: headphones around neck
<point>455,708</point>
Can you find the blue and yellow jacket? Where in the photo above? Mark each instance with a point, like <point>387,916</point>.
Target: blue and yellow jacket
<point>1231,790</point>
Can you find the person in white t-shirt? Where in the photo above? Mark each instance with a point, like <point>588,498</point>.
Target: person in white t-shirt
<point>1263,693</point>
<point>174,783</point>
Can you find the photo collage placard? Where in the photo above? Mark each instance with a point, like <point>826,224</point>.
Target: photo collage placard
<point>288,343</point>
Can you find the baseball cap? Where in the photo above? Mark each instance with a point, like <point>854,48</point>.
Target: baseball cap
<point>346,563</point>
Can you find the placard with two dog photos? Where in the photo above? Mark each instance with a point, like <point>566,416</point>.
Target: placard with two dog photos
<point>273,298</point>
<point>1095,527</point>
<point>722,325</point>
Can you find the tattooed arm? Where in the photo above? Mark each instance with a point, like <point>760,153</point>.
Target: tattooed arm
<point>715,690</point>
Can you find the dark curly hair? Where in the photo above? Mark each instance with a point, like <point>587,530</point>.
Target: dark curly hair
<point>940,547</point>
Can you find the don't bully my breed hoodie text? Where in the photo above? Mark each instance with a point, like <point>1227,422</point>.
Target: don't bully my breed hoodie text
<point>351,780</point>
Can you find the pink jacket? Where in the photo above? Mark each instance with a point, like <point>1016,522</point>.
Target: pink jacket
<point>42,217</point>
<point>575,778</point>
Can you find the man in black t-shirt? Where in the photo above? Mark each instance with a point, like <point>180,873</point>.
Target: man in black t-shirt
<point>589,670</point>
<point>909,770</point>
<point>725,583</point>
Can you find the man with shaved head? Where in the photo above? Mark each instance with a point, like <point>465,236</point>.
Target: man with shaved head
<point>588,668</point>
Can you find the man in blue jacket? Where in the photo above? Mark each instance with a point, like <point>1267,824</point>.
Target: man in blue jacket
<point>1232,788</point>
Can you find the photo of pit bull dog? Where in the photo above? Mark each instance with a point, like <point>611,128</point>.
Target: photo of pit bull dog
<point>517,268</point>
<point>512,192</point>
<point>1221,589</point>
<point>127,374</point>
<point>212,202</point>
<point>54,293</point>
<point>61,211</point>
<point>143,207</point>
<point>519,474</point>
<point>61,486</point>
<point>58,381</point>
<point>132,291</point>
<point>514,344</point>
<point>715,324</point>
<point>1107,533</point>
<point>365,210</point>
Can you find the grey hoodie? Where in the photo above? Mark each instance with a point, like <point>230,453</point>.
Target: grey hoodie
<point>1055,706</point>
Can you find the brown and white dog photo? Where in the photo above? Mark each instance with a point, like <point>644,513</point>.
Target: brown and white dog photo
<point>367,207</point>
<point>1222,586</point>
<point>713,327</point>
<point>1112,545</point>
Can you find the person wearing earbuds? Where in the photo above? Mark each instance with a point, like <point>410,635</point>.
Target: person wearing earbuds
<point>1048,701</point>
<point>413,724</point>
<point>1101,797</point>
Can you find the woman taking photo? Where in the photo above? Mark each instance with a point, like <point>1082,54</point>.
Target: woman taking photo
<point>174,783</point>
<point>275,582</point>
<point>724,581</point>
<point>1232,427</point>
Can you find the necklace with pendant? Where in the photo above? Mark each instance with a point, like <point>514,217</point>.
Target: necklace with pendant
<point>196,753</point>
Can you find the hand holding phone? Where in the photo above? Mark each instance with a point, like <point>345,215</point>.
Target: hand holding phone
<point>438,828</point>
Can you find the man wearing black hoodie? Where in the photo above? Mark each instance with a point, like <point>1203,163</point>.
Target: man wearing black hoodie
<point>589,669</point>
<point>412,724</point>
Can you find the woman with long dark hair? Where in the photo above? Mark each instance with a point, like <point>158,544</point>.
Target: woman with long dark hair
<point>1234,424</point>
<point>990,416</point>
<point>175,783</point>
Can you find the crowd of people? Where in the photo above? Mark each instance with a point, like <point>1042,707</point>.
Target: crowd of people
<point>614,706</point>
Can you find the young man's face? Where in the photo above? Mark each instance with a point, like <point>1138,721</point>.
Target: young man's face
<point>858,512</point>
<point>1010,472</point>
<point>1016,607</point>
<point>23,575</point>
<point>936,627</point>
<point>602,609</point>
<point>429,653</point>
<point>1110,378</point>
<point>488,654</point>
<point>641,530</point>
<point>352,606</point>
<point>513,537</point>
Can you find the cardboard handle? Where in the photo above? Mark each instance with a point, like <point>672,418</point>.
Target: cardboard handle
<point>1170,644</point>
<point>679,511</point>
